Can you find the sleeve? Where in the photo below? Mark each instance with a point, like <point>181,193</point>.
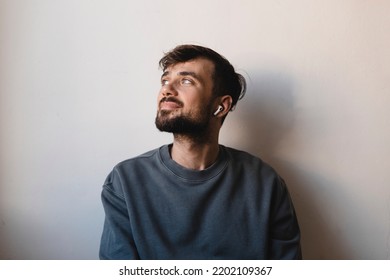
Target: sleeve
<point>117,241</point>
<point>284,232</point>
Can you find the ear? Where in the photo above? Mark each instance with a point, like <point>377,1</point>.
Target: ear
<point>226,102</point>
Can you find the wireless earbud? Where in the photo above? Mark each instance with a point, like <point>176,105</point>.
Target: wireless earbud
<point>220,108</point>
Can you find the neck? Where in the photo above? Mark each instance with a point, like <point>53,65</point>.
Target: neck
<point>195,153</point>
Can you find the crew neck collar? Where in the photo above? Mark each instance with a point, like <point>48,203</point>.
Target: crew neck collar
<point>190,174</point>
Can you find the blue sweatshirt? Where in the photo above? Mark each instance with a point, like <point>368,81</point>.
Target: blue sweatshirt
<point>238,208</point>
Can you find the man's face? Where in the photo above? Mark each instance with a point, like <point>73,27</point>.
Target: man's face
<point>184,102</point>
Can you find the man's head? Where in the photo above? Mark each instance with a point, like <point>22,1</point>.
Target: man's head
<point>197,85</point>
<point>225,80</point>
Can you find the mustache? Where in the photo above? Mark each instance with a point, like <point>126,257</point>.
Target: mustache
<point>171,99</point>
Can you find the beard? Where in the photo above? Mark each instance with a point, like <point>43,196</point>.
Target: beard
<point>194,126</point>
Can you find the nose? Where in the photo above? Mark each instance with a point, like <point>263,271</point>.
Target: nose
<point>168,89</point>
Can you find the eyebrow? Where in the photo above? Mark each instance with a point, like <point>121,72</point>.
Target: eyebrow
<point>183,73</point>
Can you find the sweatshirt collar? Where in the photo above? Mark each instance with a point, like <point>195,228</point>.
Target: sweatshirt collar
<point>193,175</point>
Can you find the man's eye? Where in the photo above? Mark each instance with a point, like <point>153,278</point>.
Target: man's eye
<point>164,82</point>
<point>186,81</point>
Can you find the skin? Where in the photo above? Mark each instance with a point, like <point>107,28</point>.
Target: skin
<point>189,87</point>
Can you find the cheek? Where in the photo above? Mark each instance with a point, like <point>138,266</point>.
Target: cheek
<point>199,110</point>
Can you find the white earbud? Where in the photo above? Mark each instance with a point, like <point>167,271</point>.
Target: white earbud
<point>220,108</point>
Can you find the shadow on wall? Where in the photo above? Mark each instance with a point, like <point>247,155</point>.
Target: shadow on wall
<point>266,115</point>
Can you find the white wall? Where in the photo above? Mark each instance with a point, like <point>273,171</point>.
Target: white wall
<point>77,95</point>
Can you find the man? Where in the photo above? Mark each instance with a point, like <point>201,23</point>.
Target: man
<point>196,199</point>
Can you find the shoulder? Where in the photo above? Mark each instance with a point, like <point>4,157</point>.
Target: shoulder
<point>147,156</point>
<point>140,164</point>
<point>245,158</point>
<point>251,165</point>
<point>239,154</point>
<point>255,168</point>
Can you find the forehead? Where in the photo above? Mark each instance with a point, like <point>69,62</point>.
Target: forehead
<point>201,66</point>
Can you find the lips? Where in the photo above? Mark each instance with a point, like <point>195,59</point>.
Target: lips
<point>169,103</point>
